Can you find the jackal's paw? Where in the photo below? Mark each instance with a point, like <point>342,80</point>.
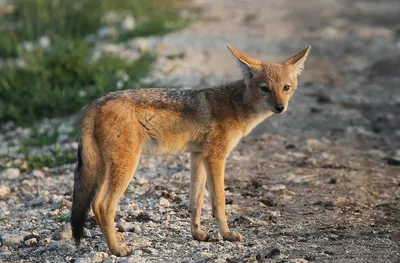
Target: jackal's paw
<point>120,237</point>
<point>233,237</point>
<point>121,251</point>
<point>201,235</point>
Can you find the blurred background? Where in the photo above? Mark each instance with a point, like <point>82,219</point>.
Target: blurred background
<point>338,143</point>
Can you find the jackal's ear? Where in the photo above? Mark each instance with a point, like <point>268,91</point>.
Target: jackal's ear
<point>297,61</point>
<point>248,65</point>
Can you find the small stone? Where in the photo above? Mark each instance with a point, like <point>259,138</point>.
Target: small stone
<point>141,181</point>
<point>275,187</point>
<point>45,231</point>
<point>275,252</point>
<point>38,201</point>
<point>340,201</point>
<point>64,233</point>
<point>66,203</point>
<point>10,173</point>
<point>44,42</point>
<point>377,153</point>
<point>37,173</point>
<point>164,202</point>
<point>10,239</point>
<point>128,23</point>
<point>30,242</point>
<point>83,260</point>
<point>45,241</point>
<point>137,229</point>
<point>184,204</point>
<point>315,145</point>
<point>97,257</point>
<point>64,246</point>
<point>298,260</point>
<point>124,226</point>
<point>4,191</point>
<point>268,201</point>
<point>107,32</point>
<point>61,138</point>
<point>3,209</point>
<point>86,233</point>
<point>150,250</point>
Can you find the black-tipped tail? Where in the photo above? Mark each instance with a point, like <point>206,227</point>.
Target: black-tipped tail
<point>84,191</point>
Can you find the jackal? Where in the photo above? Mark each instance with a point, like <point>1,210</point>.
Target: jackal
<point>117,128</point>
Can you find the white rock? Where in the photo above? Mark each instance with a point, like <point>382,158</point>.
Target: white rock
<point>97,257</point>
<point>64,233</point>
<point>44,42</point>
<point>83,260</point>
<point>275,187</point>
<point>125,226</point>
<point>4,191</point>
<point>64,246</point>
<point>28,46</point>
<point>164,202</point>
<point>62,138</point>
<point>128,23</point>
<point>107,32</point>
<point>10,173</point>
<point>111,48</point>
<point>3,209</point>
<point>30,242</point>
<point>38,201</point>
<point>298,260</point>
<point>10,239</point>
<point>37,173</point>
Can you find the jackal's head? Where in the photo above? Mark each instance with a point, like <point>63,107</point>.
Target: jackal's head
<point>272,82</point>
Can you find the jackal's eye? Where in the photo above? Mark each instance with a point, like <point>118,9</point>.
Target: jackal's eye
<point>264,87</point>
<point>286,87</point>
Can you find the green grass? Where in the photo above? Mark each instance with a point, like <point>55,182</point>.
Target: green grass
<point>56,158</point>
<point>61,218</point>
<point>52,81</point>
<point>159,26</point>
<point>42,140</point>
<point>75,19</point>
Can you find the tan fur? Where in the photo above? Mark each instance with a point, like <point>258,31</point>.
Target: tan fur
<point>119,127</point>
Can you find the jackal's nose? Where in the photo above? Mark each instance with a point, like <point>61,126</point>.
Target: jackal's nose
<point>279,108</point>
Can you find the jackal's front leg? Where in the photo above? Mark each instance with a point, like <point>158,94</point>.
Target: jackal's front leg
<point>198,178</point>
<point>215,171</point>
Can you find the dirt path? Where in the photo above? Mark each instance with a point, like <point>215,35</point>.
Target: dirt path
<point>312,185</point>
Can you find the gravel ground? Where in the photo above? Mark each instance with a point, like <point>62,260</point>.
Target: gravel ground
<point>320,183</point>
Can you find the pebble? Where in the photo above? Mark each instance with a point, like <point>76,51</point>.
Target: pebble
<point>3,209</point>
<point>4,191</point>
<point>340,201</point>
<point>83,260</point>
<point>10,239</point>
<point>30,242</point>
<point>38,201</point>
<point>108,32</point>
<point>298,260</point>
<point>97,257</point>
<point>63,246</point>
<point>124,226</point>
<point>37,173</point>
<point>10,173</point>
<point>44,42</point>
<point>275,187</point>
<point>128,23</point>
<point>164,202</point>
<point>184,204</point>
<point>64,233</point>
